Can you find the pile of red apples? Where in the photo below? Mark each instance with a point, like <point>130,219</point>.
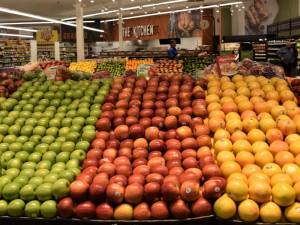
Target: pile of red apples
<point>151,158</point>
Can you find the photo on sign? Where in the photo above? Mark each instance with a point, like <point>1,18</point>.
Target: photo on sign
<point>259,14</point>
<point>185,24</point>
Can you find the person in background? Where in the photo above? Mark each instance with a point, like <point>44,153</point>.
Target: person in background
<point>172,51</point>
<point>288,56</point>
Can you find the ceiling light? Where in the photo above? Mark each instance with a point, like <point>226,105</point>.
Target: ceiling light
<point>187,7</point>
<point>16,12</point>
<point>40,22</point>
<point>164,3</point>
<point>17,28</point>
<point>113,1</point>
<point>92,1</point>
<point>232,3</point>
<point>130,8</point>
<point>169,7</point>
<point>16,35</point>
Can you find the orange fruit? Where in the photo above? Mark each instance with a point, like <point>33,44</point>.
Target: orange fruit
<point>271,168</point>
<point>251,169</point>
<point>263,157</point>
<point>241,145</point>
<point>237,190</point>
<point>223,144</point>
<point>237,176</point>
<point>221,133</point>
<point>281,177</point>
<point>291,168</point>
<point>258,177</point>
<point>259,146</point>
<point>284,157</point>
<point>260,192</point>
<point>278,146</point>
<point>297,159</point>
<point>248,114</point>
<point>283,194</point>
<point>292,138</point>
<point>270,212</point>
<point>224,156</point>
<point>297,190</point>
<point>248,210</point>
<point>256,135</point>
<point>230,167</point>
<point>244,158</point>
<point>238,135</point>
<point>295,147</point>
<point>274,134</point>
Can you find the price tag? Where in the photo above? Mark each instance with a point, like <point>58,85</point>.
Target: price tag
<point>51,72</point>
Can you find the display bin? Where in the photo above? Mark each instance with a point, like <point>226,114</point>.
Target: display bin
<point>206,220</point>
<point>239,222</point>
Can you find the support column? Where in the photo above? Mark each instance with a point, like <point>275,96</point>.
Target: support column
<point>121,42</point>
<point>33,51</point>
<point>79,31</point>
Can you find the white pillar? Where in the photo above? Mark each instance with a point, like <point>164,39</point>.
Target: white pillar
<point>238,22</point>
<point>121,42</point>
<point>33,51</point>
<point>79,31</point>
<point>56,50</point>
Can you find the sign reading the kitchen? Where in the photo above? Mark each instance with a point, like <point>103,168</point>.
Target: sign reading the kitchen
<point>140,31</point>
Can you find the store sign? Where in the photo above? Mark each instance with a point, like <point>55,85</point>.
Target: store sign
<point>47,36</point>
<point>140,31</point>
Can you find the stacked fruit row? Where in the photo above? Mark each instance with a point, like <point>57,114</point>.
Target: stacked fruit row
<point>132,64</point>
<point>256,128</point>
<point>84,66</point>
<point>46,129</point>
<point>150,158</point>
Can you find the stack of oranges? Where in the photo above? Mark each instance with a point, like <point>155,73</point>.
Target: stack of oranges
<point>132,64</point>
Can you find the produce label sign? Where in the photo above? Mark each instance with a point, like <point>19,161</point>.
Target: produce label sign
<point>51,72</point>
<point>47,36</point>
<point>143,70</point>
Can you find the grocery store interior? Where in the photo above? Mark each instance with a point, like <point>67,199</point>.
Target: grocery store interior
<point>150,112</point>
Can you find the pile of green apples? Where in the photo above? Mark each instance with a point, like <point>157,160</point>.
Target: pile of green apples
<point>45,130</point>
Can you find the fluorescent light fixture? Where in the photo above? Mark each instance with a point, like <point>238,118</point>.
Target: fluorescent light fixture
<point>16,12</point>
<point>231,3</point>
<point>87,21</point>
<point>25,23</point>
<point>16,35</point>
<point>131,8</point>
<point>164,3</point>
<point>17,28</point>
<point>91,15</point>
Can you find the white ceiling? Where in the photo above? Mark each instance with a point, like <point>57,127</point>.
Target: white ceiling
<point>60,9</point>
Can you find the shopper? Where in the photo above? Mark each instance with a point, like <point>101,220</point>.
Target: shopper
<point>172,51</point>
<point>288,56</point>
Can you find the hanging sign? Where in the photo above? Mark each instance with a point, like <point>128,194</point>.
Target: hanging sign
<point>47,36</point>
<point>140,31</point>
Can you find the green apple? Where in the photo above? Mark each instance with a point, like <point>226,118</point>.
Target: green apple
<point>3,208</point>
<point>31,89</point>
<point>84,105</point>
<point>28,107</point>
<point>31,121</point>
<point>9,139</point>
<point>55,102</point>
<point>69,94</point>
<point>95,106</point>
<point>60,188</point>
<point>11,191</point>
<point>83,145</point>
<point>14,163</point>
<point>41,148</point>
<point>77,94</point>
<point>14,114</point>
<point>49,95</point>
<point>66,122</point>
<point>27,192</point>
<point>78,121</point>
<point>14,129</point>
<point>73,163</point>
<point>4,129</point>
<point>60,115</point>
<point>60,139</point>
<point>55,147</point>
<point>41,172</point>
<point>63,157</point>
<point>39,108</point>
<point>51,109</point>
<point>16,208</point>
<point>48,209</point>
<point>88,135</point>
<point>35,139</point>
<point>59,165</point>
<point>1,137</point>
<point>38,94</point>
<point>6,156</point>
<point>52,131</point>
<point>71,113</point>
<point>86,99</point>
<point>20,121</point>
<point>8,121</point>
<point>45,164</point>
<point>72,136</point>
<point>4,147</point>
<point>32,209</point>
<point>59,95</point>
<point>22,155</point>
<point>83,112</point>
<point>5,179</point>
<point>91,120</point>
<point>21,179</point>
<point>50,156</point>
<point>44,192</point>
<point>35,157</point>
<point>66,101</point>
<point>76,127</point>
<point>55,122</point>
<point>36,181</point>
<point>78,154</point>
<point>43,88</point>
<point>25,114</point>
<point>27,130</point>
<point>99,99</point>
<point>51,178</point>
<point>33,101</point>
<point>39,130</point>
<point>68,146</point>
<point>48,139</point>
<point>88,127</point>
<point>57,170</point>
<point>63,132</point>
<point>44,102</point>
<point>27,172</point>
<point>48,114</point>
<point>12,172</point>
<point>28,146</point>
<point>3,113</point>
<point>67,174</point>
<point>53,88</point>
<point>28,165</point>
<point>22,139</point>
<point>37,115</point>
<point>44,122</point>
<point>15,147</point>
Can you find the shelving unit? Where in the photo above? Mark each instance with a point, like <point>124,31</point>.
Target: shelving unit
<point>46,51</point>
<point>298,57</point>
<point>260,51</point>
<point>68,52</point>
<point>273,47</point>
<point>14,53</point>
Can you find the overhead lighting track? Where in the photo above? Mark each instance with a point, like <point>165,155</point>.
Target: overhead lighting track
<point>16,35</point>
